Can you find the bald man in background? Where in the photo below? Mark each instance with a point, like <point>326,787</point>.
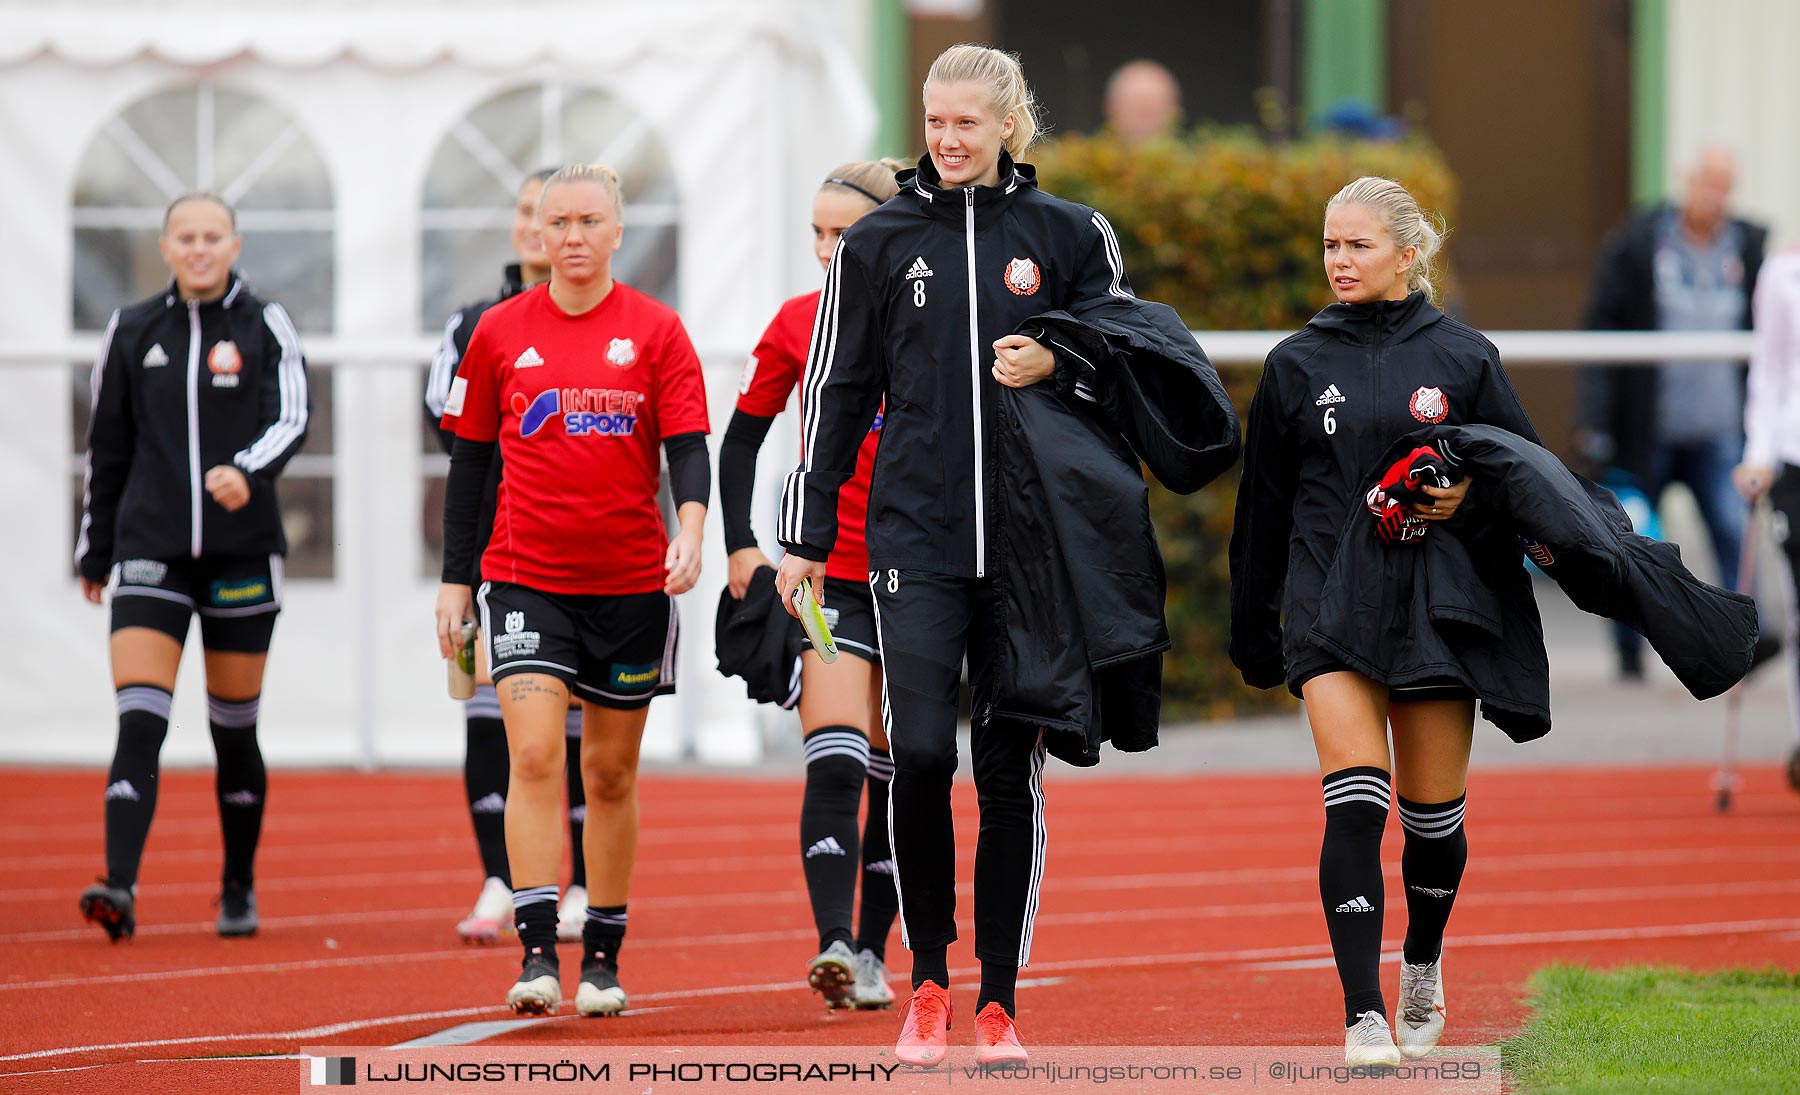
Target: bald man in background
<point>1689,266</point>
<point>1143,100</point>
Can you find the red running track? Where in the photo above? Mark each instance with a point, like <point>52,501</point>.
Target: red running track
<point>1175,911</point>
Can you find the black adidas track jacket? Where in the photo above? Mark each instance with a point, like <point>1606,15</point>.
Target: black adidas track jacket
<point>1332,399</point>
<point>916,295</point>
<point>181,387</point>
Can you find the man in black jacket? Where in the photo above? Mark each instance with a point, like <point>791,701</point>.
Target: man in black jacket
<point>1690,267</point>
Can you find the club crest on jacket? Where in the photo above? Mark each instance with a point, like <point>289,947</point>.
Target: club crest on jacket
<point>224,361</point>
<point>1429,405</point>
<point>1022,277</point>
<point>620,352</point>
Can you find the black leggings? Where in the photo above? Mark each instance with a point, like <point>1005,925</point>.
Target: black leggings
<point>928,623</point>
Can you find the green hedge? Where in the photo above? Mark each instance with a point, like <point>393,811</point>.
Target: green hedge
<point>1224,228</point>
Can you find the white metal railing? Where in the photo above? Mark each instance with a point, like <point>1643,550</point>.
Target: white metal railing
<point>1224,347</point>
<point>345,612</point>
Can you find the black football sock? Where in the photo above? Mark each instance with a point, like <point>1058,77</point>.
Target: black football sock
<point>577,798</point>
<point>931,964</point>
<point>998,983</point>
<point>880,900</point>
<point>1350,886</point>
<point>486,769</point>
<point>1431,866</point>
<point>143,711</point>
<point>603,935</point>
<point>837,760</point>
<point>534,915</point>
<point>241,783</point>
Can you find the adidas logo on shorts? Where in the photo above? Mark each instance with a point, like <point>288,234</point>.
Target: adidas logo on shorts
<point>918,269</point>
<point>240,798</point>
<point>1329,396</point>
<point>123,789</point>
<point>1358,903</point>
<point>828,846</point>
<point>881,866</point>
<point>490,803</point>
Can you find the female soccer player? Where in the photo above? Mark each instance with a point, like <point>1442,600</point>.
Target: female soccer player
<point>484,759</point>
<point>840,703</point>
<point>577,381</point>
<point>928,302</point>
<point>199,401</point>
<point>1378,364</point>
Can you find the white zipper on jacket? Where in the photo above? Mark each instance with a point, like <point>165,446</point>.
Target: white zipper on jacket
<point>975,387</point>
<point>193,422</point>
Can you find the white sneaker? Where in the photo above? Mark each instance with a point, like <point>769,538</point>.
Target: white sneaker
<point>871,989</point>
<point>599,993</point>
<point>492,915</point>
<point>1421,1021</point>
<point>833,975</point>
<point>1370,1042</point>
<point>538,991</point>
<point>571,915</point>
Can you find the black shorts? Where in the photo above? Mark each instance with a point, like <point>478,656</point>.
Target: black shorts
<point>850,614</point>
<point>616,650</point>
<point>1443,688</point>
<point>236,596</point>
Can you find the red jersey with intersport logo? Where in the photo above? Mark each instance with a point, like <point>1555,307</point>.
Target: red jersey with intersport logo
<point>769,377</point>
<point>580,406</point>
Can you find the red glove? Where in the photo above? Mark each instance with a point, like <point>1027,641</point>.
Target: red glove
<point>1400,489</point>
<point>1394,521</point>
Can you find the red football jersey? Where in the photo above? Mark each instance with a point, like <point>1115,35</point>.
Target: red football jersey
<point>769,377</point>
<point>580,405</point>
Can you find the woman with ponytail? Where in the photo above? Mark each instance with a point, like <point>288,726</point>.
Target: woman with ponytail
<point>840,703</point>
<point>1380,363</point>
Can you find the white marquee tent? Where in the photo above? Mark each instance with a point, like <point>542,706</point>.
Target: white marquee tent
<point>372,133</point>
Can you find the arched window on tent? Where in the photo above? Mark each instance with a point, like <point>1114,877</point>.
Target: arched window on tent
<point>254,155</point>
<point>467,213</point>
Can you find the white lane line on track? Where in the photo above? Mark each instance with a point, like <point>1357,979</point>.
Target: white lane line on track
<point>47,1071</point>
<point>1243,957</point>
<point>329,1030</point>
<point>1215,911</point>
<point>1391,949</point>
<point>208,927</point>
<point>1498,864</point>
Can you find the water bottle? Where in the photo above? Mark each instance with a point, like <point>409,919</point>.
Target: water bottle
<point>462,665</point>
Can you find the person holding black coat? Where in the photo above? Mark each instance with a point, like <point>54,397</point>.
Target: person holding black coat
<point>1380,363</point>
<point>978,305</point>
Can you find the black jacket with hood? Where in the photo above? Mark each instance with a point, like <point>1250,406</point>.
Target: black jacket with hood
<point>1459,605</point>
<point>181,387</point>
<point>1332,400</point>
<point>1080,581</point>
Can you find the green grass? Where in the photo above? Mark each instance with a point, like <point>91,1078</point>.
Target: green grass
<point>1646,1029</point>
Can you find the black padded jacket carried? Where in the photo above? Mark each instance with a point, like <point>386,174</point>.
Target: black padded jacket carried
<point>181,387</point>
<point>1458,605</point>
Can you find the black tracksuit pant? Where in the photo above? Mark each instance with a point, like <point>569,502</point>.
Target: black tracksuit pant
<point>928,622</point>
